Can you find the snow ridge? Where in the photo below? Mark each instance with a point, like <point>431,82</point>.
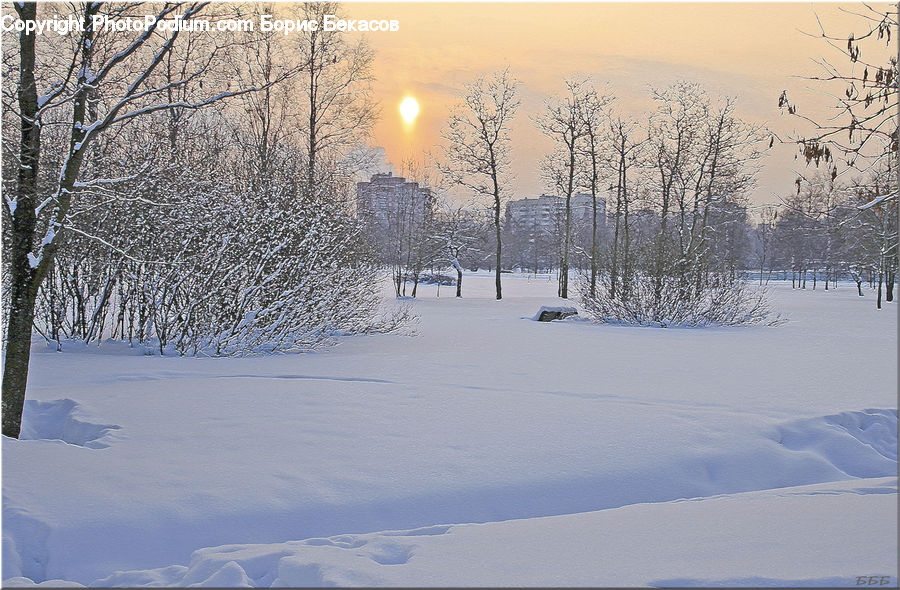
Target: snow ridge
<point>395,558</point>
<point>59,420</point>
<point>859,444</point>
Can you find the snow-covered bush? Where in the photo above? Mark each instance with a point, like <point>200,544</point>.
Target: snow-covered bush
<point>214,257</point>
<point>294,280</point>
<point>721,300</point>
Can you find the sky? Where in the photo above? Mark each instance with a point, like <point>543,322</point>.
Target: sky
<point>751,51</point>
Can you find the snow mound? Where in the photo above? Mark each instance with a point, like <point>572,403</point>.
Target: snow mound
<point>56,420</point>
<point>875,428</point>
<point>310,563</point>
<point>847,440</point>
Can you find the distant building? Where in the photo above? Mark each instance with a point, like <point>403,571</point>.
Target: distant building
<point>583,209</point>
<point>547,213</point>
<point>385,198</point>
<point>536,228</point>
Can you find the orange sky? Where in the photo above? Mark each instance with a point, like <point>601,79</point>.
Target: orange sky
<point>750,51</point>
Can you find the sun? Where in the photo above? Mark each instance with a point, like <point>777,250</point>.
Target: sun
<point>409,109</point>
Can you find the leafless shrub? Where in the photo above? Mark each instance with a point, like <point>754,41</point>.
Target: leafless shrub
<point>721,302</point>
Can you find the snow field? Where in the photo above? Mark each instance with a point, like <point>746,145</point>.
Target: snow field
<point>579,435</point>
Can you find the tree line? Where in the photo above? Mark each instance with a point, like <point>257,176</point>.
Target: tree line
<point>678,176</point>
<point>676,237</point>
<point>679,242</point>
<point>830,231</point>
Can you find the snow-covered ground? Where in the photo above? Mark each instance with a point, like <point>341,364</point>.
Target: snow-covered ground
<point>590,454</point>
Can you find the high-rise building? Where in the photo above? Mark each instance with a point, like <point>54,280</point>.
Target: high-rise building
<point>537,227</point>
<point>546,213</point>
<point>386,198</point>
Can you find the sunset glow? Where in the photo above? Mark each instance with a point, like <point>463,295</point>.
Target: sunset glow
<point>751,51</point>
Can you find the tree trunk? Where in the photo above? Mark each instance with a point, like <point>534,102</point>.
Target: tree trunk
<point>594,239</point>
<point>18,355</point>
<point>878,299</point>
<point>660,252</point>
<point>625,278</point>
<point>564,271</point>
<point>593,217</point>
<point>614,266</point>
<point>497,226</point>
<point>859,287</point>
<point>23,277</point>
<point>313,135</point>
<point>496,185</point>
<point>459,282</point>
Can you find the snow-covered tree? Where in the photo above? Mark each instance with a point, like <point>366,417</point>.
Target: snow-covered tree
<point>91,82</point>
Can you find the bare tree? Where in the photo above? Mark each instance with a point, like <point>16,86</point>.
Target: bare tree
<point>460,232</point>
<point>699,161</point>
<point>268,120</point>
<point>476,154</point>
<point>420,226</point>
<point>565,123</point>
<point>594,117</point>
<point>624,150</point>
<point>763,234</point>
<point>878,218</point>
<point>673,129</point>
<point>704,157</point>
<point>337,86</point>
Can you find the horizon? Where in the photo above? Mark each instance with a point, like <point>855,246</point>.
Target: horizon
<point>751,51</point>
